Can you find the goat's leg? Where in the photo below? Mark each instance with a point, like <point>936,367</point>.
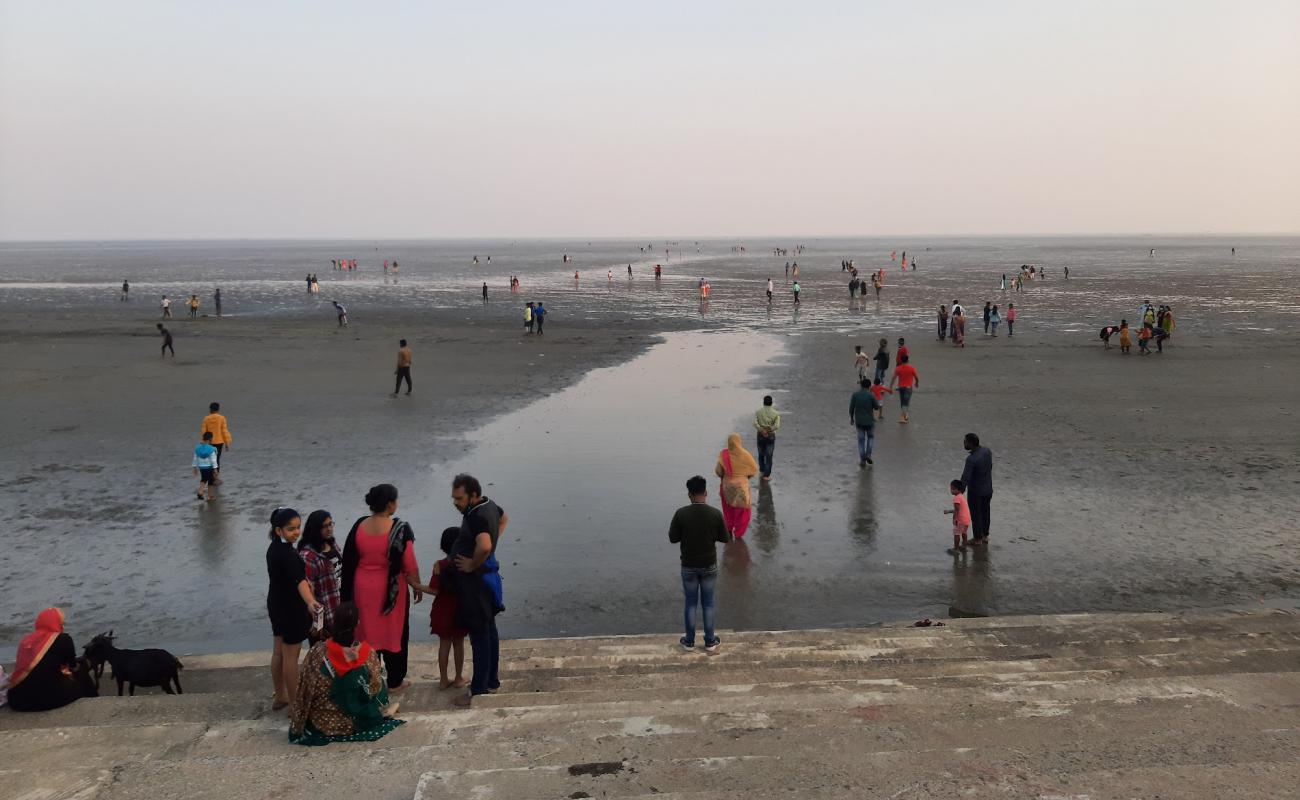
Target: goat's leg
<point>131,689</point>
<point>119,685</point>
<point>167,687</point>
<point>177,678</point>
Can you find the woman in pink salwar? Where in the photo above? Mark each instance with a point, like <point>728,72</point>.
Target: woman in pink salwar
<point>735,466</point>
<point>378,566</point>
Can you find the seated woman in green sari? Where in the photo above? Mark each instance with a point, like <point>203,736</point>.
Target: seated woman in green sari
<point>342,694</point>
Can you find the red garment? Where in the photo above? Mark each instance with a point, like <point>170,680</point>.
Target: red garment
<point>343,661</point>
<point>49,624</point>
<point>906,375</point>
<point>442,615</point>
<point>902,351</point>
<point>382,631</point>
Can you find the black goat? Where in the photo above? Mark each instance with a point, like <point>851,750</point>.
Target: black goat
<point>134,667</point>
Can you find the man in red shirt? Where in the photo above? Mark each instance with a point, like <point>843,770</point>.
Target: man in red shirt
<point>906,378</point>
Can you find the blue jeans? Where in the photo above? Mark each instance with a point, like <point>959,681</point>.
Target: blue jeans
<point>766,444</point>
<point>866,440</point>
<point>904,396</point>
<point>486,647</point>
<point>880,375</point>
<point>698,584</point>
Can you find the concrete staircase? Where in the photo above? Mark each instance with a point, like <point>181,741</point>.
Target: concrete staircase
<point>1096,706</point>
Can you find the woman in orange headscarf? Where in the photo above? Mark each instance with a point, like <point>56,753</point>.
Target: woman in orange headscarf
<point>735,466</point>
<point>48,673</point>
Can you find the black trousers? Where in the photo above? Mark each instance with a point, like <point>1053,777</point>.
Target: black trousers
<point>395,663</point>
<point>979,515</point>
<point>403,373</point>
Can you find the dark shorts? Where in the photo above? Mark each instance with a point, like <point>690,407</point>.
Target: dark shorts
<point>905,396</point>
<point>207,475</point>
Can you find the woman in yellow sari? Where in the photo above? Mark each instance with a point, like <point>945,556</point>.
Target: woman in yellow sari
<point>735,467</point>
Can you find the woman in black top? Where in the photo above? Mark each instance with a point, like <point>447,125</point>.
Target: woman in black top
<point>289,603</point>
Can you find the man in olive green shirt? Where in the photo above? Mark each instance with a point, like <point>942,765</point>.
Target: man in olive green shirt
<point>767,422</point>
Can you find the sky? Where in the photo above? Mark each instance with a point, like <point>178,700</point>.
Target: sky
<point>320,119</point>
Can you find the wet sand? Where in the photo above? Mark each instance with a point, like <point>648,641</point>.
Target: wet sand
<point>1122,483</point>
<point>97,496</point>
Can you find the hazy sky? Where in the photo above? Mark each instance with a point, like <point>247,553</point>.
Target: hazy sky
<point>180,119</point>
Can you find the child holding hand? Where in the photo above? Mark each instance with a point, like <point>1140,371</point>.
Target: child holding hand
<point>960,515</point>
<point>442,616</point>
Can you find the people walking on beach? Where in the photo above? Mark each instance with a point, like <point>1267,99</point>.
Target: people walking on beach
<point>878,391</point>
<point>769,291</point>
<point>995,319</point>
<point>126,291</point>
<point>193,303</point>
<point>882,360</point>
<point>977,477</point>
<point>960,515</point>
<point>1125,338</point>
<point>697,528</point>
<point>902,349</point>
<point>1144,339</point>
<point>167,341</point>
<point>906,379</point>
<point>735,466</point>
<point>796,288</point>
<point>378,567</point>
<point>528,318</point>
<point>215,423</point>
<point>216,300</point>
<point>943,322</point>
<point>878,281</point>
<point>205,466</point>
<point>323,562</point>
<point>166,307</point>
<point>1011,319</point>
<point>860,361</point>
<point>958,326</point>
<point>342,312</point>
<point>1167,324</point>
<point>341,697</point>
<point>307,279</point>
<point>289,604</point>
<point>1004,281</point>
<point>512,286</point>
<point>539,317</point>
<point>473,552</point>
<point>1067,273</point>
<point>767,421</point>
<point>863,406</point>
<point>988,310</point>
<point>403,372</point>
<point>442,616</point>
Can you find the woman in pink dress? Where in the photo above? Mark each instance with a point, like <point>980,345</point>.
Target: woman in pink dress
<point>378,566</point>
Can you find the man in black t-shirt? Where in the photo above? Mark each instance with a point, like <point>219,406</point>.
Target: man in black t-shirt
<point>697,528</point>
<point>472,553</point>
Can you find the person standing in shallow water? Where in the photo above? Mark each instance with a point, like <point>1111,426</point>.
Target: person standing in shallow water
<point>735,466</point>
<point>977,477</point>
<point>697,528</point>
<point>863,406</point>
<point>767,421</point>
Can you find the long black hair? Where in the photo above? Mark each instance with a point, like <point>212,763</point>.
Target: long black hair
<point>312,531</point>
<point>279,518</point>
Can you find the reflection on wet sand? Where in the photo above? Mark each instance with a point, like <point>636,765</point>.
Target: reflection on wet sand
<point>972,583</point>
<point>766,529</point>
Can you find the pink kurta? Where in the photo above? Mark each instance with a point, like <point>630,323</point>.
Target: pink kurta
<point>381,631</point>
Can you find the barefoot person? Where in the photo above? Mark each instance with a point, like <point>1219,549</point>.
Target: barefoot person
<point>906,379</point>
<point>735,466</point>
<point>205,464</point>
<point>863,406</point>
<point>697,528</point>
<point>167,341</point>
<point>477,606</point>
<point>215,423</point>
<point>767,421</point>
<point>342,697</point>
<point>289,603</point>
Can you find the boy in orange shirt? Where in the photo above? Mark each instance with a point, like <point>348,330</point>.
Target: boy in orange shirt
<point>879,389</point>
<point>960,515</point>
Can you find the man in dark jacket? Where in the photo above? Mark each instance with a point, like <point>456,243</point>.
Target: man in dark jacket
<point>978,477</point>
<point>862,413</point>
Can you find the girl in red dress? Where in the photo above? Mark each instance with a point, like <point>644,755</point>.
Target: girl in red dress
<point>442,617</point>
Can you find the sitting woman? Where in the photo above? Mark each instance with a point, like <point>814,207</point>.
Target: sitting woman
<point>48,674</point>
<point>342,693</point>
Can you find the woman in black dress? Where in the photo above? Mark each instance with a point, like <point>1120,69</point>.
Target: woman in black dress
<point>289,603</point>
<point>48,674</point>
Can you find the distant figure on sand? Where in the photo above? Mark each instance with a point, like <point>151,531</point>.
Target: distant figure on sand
<point>1011,319</point>
<point>796,289</point>
<point>960,515</point>
<point>343,314</point>
<point>943,322</point>
<point>735,466</point>
<point>528,318</point>
<point>166,307</point>
<point>216,300</point>
<point>194,305</point>
<point>205,465</point>
<point>126,291</point>
<point>769,291</point>
<point>403,372</point>
<point>995,319</point>
<point>215,423</point>
<point>167,341</point>
<point>767,421</point>
<point>697,528</point>
<point>485,291</point>
<point>539,316</point>
<point>860,361</point>
<point>906,379</point>
<point>1125,338</point>
<point>882,360</point>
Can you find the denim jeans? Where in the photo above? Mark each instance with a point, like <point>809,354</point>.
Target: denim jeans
<point>766,444</point>
<point>880,375</point>
<point>698,584</point>
<point>1011,327</point>
<point>904,396</point>
<point>486,646</point>
<point>866,440</point>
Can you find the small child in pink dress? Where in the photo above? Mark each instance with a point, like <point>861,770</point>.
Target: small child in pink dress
<point>960,515</point>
